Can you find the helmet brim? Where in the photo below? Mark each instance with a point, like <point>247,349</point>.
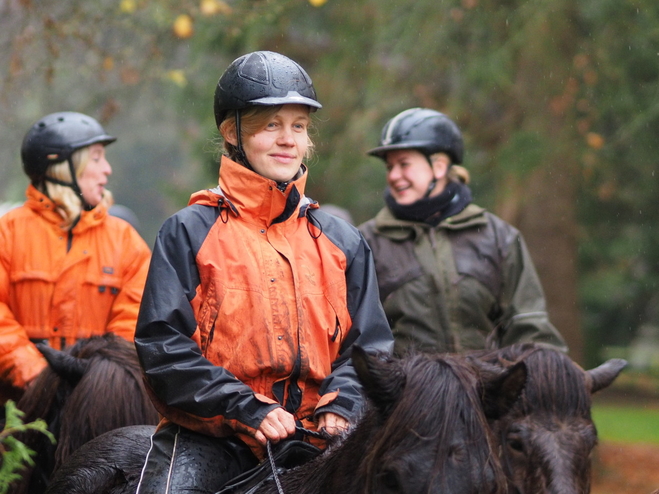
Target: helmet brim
<point>292,98</point>
<point>381,151</point>
<point>104,139</point>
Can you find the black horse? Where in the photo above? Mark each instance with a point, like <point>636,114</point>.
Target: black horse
<point>93,387</point>
<point>425,431</point>
<point>548,436</point>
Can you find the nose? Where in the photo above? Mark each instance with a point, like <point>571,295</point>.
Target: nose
<point>285,137</point>
<point>107,168</point>
<point>393,173</point>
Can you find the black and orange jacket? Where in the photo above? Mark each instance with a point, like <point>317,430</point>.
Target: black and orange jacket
<point>254,299</point>
<point>60,285</point>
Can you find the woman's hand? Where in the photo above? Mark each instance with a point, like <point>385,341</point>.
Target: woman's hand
<point>333,424</point>
<point>277,425</point>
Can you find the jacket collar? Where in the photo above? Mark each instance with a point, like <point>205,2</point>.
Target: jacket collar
<point>247,194</point>
<point>387,225</point>
<point>43,205</point>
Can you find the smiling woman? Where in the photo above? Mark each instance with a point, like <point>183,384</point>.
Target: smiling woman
<point>255,298</point>
<point>452,276</point>
<point>277,149</point>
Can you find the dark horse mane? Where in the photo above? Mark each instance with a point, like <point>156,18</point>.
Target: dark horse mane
<point>419,401</point>
<point>447,402</point>
<point>554,383</point>
<point>93,387</point>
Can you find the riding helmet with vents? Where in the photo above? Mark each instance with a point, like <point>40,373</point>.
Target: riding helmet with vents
<point>263,78</point>
<point>425,130</point>
<point>55,137</point>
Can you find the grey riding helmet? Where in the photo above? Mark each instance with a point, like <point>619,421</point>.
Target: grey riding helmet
<point>425,130</point>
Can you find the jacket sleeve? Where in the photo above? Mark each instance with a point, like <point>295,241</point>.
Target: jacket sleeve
<point>188,389</point>
<point>123,314</point>
<point>20,361</point>
<point>525,313</point>
<point>341,392</point>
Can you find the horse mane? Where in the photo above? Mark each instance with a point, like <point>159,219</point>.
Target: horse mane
<point>123,399</point>
<point>109,395</point>
<point>554,383</point>
<point>449,389</point>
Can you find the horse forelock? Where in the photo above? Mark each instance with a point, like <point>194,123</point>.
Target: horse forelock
<point>555,384</point>
<point>439,393</point>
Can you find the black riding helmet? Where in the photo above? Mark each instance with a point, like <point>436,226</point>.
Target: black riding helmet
<point>425,130</point>
<point>261,78</point>
<point>54,139</point>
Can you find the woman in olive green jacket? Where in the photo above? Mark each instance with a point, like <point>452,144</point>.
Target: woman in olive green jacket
<point>452,276</point>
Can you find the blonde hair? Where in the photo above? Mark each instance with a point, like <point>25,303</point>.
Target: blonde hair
<point>252,120</point>
<point>67,202</point>
<point>455,173</point>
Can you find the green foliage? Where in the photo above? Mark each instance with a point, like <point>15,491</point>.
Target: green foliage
<point>559,86</point>
<point>14,455</point>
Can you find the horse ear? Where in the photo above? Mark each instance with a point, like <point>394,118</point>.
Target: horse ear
<point>69,368</point>
<point>382,379</point>
<point>502,387</point>
<point>605,374</point>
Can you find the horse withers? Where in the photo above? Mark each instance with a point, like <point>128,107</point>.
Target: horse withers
<point>92,387</point>
<point>425,430</point>
<point>548,436</point>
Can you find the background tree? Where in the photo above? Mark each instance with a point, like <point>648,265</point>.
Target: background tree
<point>557,101</point>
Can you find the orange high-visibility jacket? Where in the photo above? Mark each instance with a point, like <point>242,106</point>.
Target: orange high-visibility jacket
<point>60,286</point>
<point>254,300</point>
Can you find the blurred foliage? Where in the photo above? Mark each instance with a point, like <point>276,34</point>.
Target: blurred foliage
<point>553,92</point>
<point>14,455</point>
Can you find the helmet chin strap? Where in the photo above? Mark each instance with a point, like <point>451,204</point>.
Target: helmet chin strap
<point>241,156</point>
<point>73,185</point>
<point>433,182</point>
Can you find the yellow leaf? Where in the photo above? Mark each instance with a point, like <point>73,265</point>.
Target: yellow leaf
<point>177,77</point>
<point>108,63</point>
<point>595,141</point>
<point>317,3</point>
<point>212,7</point>
<point>127,6</point>
<point>183,26</point>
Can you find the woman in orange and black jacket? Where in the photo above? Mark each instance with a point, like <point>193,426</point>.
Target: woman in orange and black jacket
<point>68,270</point>
<point>254,297</point>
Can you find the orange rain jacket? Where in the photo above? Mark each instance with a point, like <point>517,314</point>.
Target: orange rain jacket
<point>254,299</point>
<point>60,286</point>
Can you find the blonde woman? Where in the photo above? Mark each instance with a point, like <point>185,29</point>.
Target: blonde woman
<point>68,270</point>
<point>255,297</point>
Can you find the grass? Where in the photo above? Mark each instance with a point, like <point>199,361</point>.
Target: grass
<point>627,423</point>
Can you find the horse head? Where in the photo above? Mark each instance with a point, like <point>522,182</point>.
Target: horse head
<point>432,412</point>
<point>90,388</point>
<point>548,436</point>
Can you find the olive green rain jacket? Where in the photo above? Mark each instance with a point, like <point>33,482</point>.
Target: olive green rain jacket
<point>468,283</point>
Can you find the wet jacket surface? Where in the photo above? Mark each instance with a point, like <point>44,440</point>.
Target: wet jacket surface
<point>468,283</point>
<point>60,286</point>
<point>254,299</point>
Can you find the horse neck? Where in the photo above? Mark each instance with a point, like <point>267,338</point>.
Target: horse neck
<point>339,469</point>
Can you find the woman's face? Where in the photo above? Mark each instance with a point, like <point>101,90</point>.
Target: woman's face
<point>277,151</point>
<point>94,177</point>
<point>409,175</point>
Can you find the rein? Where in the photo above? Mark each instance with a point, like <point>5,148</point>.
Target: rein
<point>308,432</point>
